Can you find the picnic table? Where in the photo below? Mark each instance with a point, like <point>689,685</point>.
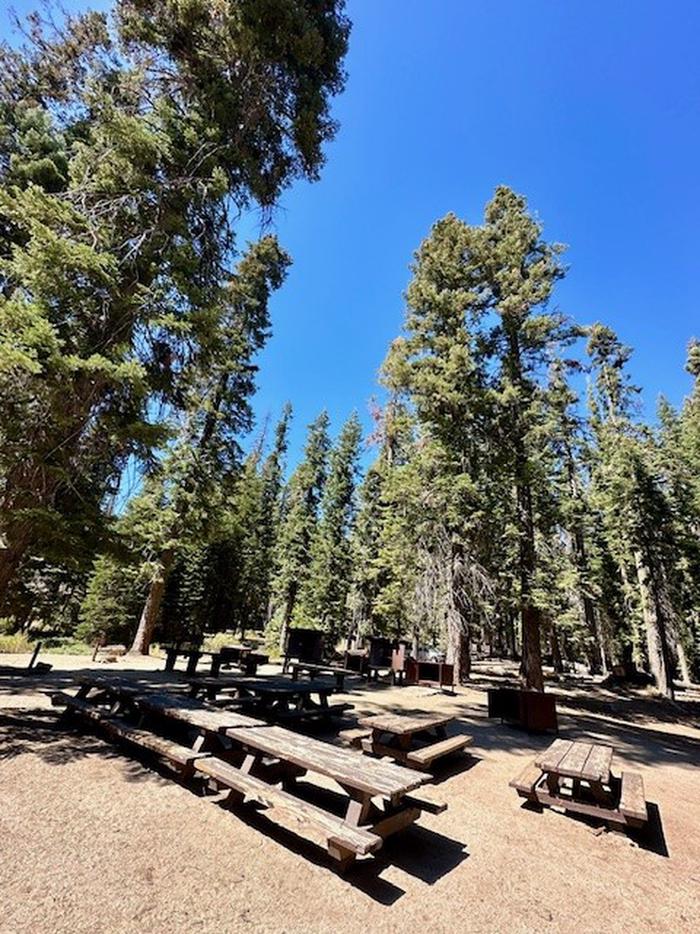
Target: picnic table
<point>274,698</point>
<point>299,669</point>
<point>258,762</point>
<point>577,776</point>
<point>193,656</point>
<point>243,657</point>
<point>403,737</point>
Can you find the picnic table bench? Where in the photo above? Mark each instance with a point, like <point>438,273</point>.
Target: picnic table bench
<point>274,698</point>
<point>251,759</point>
<point>312,669</point>
<point>402,736</point>
<point>577,776</point>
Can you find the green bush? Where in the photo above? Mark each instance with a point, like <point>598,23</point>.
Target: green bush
<point>16,643</point>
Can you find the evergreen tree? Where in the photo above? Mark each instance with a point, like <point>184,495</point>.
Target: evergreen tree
<point>180,498</point>
<point>633,504</point>
<point>127,145</point>
<point>300,514</point>
<point>478,335</point>
<point>323,597</point>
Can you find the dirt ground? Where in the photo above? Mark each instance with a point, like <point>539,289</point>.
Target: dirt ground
<point>93,840</point>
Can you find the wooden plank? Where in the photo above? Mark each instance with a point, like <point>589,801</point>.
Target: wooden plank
<point>426,755</point>
<point>402,724</point>
<point>302,813</point>
<point>424,804</point>
<point>345,766</point>
<point>572,763</point>
<point>61,699</point>
<point>612,815</point>
<point>394,822</point>
<point>525,782</point>
<point>632,802</point>
<point>172,751</point>
<point>552,756</point>
<point>597,767</point>
<point>194,713</point>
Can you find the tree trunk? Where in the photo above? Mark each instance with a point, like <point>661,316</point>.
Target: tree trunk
<point>683,665</point>
<point>458,618</point>
<point>288,613</point>
<point>151,609</point>
<point>557,661</point>
<point>531,664</point>
<point>654,625</point>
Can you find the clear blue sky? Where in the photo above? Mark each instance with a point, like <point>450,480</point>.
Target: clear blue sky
<point>590,109</point>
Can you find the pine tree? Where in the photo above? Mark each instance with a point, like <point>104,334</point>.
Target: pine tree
<point>179,499</point>
<point>478,335</point>
<point>300,514</point>
<point>630,496</point>
<point>323,597</point>
<point>127,146</point>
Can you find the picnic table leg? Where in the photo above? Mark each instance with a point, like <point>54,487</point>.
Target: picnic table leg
<point>215,664</point>
<point>358,807</point>
<point>192,662</point>
<point>553,784</point>
<point>170,659</point>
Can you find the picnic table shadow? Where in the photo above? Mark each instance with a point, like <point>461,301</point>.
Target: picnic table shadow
<point>651,837</point>
<point>419,851</point>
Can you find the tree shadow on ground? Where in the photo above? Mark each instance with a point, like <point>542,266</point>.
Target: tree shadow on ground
<point>21,683</point>
<point>637,743</point>
<point>41,732</point>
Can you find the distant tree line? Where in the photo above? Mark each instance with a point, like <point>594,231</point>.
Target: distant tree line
<point>517,502</point>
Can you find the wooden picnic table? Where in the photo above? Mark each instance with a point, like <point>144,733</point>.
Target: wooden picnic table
<point>274,698</point>
<point>403,736</point>
<point>577,776</point>
<point>193,657</point>
<point>243,657</point>
<point>312,669</point>
<point>250,758</point>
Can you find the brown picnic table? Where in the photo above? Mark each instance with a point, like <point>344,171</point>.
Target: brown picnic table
<point>260,762</point>
<point>274,698</point>
<point>193,656</point>
<point>314,669</point>
<point>403,737</point>
<point>244,657</point>
<point>577,776</point>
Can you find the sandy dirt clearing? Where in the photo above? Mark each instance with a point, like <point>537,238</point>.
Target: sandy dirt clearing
<point>93,840</point>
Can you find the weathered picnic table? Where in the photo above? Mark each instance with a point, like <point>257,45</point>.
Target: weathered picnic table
<point>193,657</point>
<point>250,759</point>
<point>577,776</point>
<point>403,737</point>
<point>314,669</point>
<point>274,698</point>
<point>243,657</point>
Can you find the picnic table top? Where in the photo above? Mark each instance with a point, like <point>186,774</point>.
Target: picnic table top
<point>283,686</point>
<point>279,686</point>
<point>321,666</point>
<point>193,712</point>
<point>574,759</point>
<point>347,767</point>
<point>401,724</point>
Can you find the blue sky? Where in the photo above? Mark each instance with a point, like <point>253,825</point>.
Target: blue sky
<point>589,108</point>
